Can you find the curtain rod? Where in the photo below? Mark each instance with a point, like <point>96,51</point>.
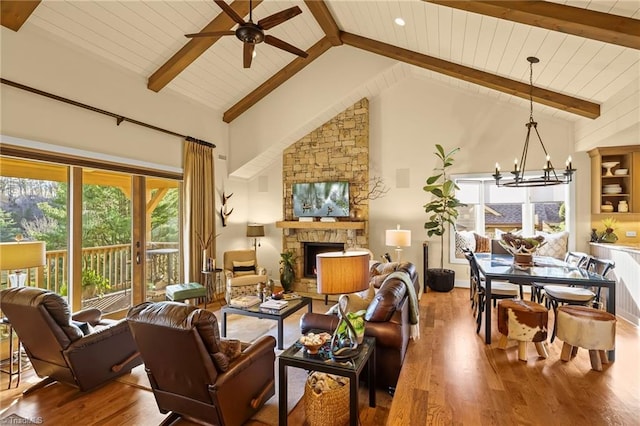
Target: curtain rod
<point>119,118</point>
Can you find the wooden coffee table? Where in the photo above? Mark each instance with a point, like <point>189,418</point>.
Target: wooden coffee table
<point>254,311</point>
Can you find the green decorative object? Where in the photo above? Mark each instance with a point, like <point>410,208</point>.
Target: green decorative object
<point>608,237</point>
<point>287,270</point>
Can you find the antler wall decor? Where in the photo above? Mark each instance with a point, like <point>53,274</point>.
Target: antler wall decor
<point>224,214</point>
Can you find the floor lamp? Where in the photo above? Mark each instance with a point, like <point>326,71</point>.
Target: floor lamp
<point>21,255</point>
<point>340,273</point>
<point>255,231</point>
<point>398,238</point>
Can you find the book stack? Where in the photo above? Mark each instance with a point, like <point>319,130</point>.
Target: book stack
<point>244,301</point>
<point>273,306</point>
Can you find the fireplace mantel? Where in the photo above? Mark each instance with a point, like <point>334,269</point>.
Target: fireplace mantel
<point>294,224</point>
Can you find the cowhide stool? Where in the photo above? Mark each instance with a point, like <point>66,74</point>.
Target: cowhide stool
<point>523,321</point>
<point>588,328</point>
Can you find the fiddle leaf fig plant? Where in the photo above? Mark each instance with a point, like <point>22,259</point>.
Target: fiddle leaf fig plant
<point>443,207</point>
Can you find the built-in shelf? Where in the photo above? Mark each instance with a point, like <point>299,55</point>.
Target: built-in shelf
<point>294,224</point>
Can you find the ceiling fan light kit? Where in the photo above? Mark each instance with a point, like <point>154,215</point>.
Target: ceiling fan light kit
<point>250,33</point>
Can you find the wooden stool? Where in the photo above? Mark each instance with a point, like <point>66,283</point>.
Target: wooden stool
<point>588,328</point>
<point>523,321</point>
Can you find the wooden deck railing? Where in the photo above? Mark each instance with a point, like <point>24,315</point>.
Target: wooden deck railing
<point>111,262</point>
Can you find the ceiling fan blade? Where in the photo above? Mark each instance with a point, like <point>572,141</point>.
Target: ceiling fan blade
<point>247,54</point>
<point>211,34</point>
<point>279,17</point>
<point>229,11</point>
<point>276,42</point>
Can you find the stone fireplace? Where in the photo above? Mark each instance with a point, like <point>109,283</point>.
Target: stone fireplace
<point>336,151</point>
<point>310,251</point>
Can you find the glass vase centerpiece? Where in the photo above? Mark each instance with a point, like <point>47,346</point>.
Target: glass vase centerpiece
<point>521,248</point>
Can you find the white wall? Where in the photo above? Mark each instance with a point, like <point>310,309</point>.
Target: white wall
<point>42,62</point>
<point>406,122</point>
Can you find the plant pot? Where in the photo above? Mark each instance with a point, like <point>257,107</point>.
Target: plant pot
<point>441,279</point>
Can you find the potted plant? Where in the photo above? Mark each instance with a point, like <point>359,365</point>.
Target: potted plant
<point>442,211</point>
<point>287,270</point>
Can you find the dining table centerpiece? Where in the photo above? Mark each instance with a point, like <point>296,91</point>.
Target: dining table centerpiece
<point>521,248</point>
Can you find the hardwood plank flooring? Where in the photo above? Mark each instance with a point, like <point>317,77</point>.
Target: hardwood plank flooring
<point>450,377</point>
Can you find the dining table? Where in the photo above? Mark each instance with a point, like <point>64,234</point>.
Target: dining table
<point>545,270</point>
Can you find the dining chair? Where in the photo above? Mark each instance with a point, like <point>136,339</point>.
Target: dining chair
<point>573,258</point>
<point>601,267</point>
<point>499,290</point>
<point>557,295</point>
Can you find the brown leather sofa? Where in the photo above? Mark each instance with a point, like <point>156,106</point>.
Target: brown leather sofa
<point>192,372</point>
<point>387,319</point>
<point>82,350</point>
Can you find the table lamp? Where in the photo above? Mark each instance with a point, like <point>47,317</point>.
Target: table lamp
<point>255,231</point>
<point>398,238</point>
<point>21,255</point>
<point>340,273</point>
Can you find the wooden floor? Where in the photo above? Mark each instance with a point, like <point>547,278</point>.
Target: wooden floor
<point>450,377</point>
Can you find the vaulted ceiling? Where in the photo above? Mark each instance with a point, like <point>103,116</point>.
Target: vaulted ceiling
<point>588,50</point>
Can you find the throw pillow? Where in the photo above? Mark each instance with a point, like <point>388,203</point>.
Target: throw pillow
<point>244,268</point>
<point>483,244</point>
<point>229,350</point>
<point>465,239</point>
<point>556,245</point>
<point>85,327</point>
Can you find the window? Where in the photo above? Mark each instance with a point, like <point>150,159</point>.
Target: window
<point>36,201</point>
<point>492,210</point>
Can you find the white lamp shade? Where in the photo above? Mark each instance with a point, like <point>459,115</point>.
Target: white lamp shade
<point>398,237</point>
<point>342,272</point>
<point>25,254</point>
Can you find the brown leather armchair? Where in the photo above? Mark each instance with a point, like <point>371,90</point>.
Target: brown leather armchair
<point>192,372</point>
<point>82,350</point>
<point>387,319</point>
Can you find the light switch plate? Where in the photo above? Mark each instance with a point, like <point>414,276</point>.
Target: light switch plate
<point>631,234</point>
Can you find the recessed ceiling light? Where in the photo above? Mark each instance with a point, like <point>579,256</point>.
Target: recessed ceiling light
<point>399,22</point>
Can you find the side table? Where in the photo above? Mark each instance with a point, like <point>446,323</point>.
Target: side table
<point>297,356</point>
<point>212,283</point>
<point>12,371</point>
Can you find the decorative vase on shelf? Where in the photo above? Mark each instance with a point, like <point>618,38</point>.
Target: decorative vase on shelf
<point>356,214</point>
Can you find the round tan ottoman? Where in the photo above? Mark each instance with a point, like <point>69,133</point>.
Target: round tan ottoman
<point>523,321</point>
<point>588,328</point>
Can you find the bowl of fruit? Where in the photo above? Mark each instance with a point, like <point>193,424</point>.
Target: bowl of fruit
<point>313,342</point>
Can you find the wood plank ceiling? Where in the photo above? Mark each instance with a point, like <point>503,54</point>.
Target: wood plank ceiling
<point>589,50</point>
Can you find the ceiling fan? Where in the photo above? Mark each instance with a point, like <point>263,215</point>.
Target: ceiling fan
<point>251,34</point>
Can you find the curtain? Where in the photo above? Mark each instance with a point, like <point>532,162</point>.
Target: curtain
<point>199,223</point>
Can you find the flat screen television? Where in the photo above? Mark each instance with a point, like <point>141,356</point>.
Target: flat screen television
<point>321,199</point>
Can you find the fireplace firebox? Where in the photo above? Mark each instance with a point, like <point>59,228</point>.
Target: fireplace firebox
<point>310,252</point>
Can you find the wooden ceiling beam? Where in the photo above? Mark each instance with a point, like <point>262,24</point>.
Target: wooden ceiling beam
<point>325,19</point>
<point>580,22</point>
<point>196,47</point>
<point>482,78</point>
<point>276,80</point>
<point>13,14</point>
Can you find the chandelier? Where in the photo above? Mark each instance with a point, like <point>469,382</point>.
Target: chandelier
<point>549,176</point>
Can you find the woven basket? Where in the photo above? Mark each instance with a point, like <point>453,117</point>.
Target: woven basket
<point>329,408</point>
